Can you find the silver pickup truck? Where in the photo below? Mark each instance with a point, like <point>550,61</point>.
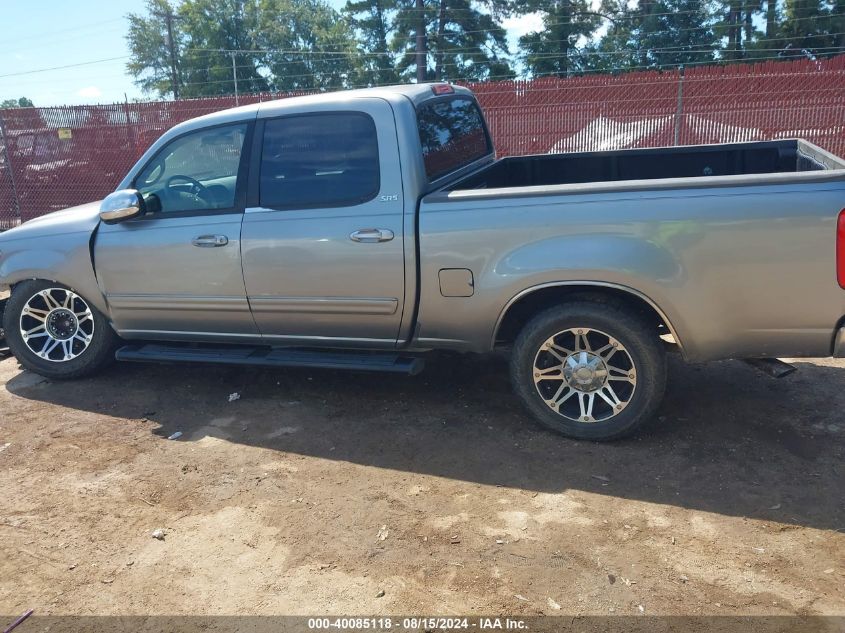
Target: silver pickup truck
<point>362,229</point>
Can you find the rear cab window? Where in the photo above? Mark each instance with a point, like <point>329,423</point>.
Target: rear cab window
<point>452,135</point>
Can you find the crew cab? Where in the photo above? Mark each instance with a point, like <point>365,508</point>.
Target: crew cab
<point>363,229</point>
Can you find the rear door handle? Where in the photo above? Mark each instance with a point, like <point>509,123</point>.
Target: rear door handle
<point>371,235</point>
<point>210,241</point>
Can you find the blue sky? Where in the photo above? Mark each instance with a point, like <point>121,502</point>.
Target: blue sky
<point>62,33</point>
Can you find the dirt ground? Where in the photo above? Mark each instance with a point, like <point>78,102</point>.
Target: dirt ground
<point>317,491</point>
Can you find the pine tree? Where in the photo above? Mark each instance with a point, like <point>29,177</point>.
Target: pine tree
<point>793,28</point>
<point>614,49</point>
<point>309,45</point>
<point>373,21</point>
<point>463,41</point>
<point>836,26</point>
<point>213,28</point>
<point>654,34</point>
<point>554,50</point>
<point>278,44</point>
<point>684,34</point>
<point>154,55</point>
<point>812,28</point>
<point>740,38</point>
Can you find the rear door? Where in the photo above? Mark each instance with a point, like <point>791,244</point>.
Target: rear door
<point>322,239</point>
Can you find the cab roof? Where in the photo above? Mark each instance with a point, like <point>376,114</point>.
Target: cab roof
<point>415,93</point>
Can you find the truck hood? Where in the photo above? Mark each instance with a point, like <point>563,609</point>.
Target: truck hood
<point>82,218</point>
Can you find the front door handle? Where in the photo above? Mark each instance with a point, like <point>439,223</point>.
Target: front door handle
<point>371,235</point>
<point>210,241</point>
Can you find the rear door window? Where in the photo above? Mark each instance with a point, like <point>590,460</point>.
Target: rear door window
<point>452,135</point>
<point>318,161</point>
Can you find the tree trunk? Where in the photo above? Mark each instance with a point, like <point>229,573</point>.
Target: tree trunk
<point>648,7</point>
<point>420,48</point>
<point>749,27</point>
<point>734,13</point>
<point>564,17</point>
<point>839,25</point>
<point>771,22</point>
<point>441,29</point>
<point>383,61</point>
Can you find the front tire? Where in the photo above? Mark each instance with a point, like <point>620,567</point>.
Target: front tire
<point>55,332</point>
<point>589,370</point>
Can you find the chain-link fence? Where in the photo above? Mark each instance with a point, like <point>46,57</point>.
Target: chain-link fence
<point>58,157</point>
<point>52,158</point>
<point>713,104</point>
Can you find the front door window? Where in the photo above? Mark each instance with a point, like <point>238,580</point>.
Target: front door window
<point>197,171</point>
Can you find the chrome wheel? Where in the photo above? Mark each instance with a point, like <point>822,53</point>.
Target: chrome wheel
<point>584,375</point>
<point>57,325</point>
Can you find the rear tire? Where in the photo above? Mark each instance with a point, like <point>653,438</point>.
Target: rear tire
<point>589,370</point>
<point>55,332</point>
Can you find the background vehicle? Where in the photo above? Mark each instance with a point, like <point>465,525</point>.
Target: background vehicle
<point>361,229</point>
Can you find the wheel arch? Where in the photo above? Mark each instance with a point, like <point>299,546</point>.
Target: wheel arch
<point>533,300</point>
<point>73,269</point>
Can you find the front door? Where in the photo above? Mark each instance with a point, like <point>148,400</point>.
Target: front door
<point>175,272</point>
<point>323,247</point>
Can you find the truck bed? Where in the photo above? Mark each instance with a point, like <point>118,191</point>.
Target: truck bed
<point>694,161</point>
<point>741,262</point>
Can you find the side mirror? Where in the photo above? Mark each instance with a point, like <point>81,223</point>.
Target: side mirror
<point>121,205</point>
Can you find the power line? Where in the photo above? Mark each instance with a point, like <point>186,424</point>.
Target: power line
<point>715,22</point>
<point>634,15</point>
<point>82,27</point>
<point>73,80</point>
<point>38,47</point>
<point>619,74</point>
<point>669,82</point>
<point>574,72</point>
<point>582,51</point>
<point>45,70</point>
<point>340,56</point>
<point>270,51</point>
<point>398,53</point>
<point>412,38</point>
<point>598,72</point>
